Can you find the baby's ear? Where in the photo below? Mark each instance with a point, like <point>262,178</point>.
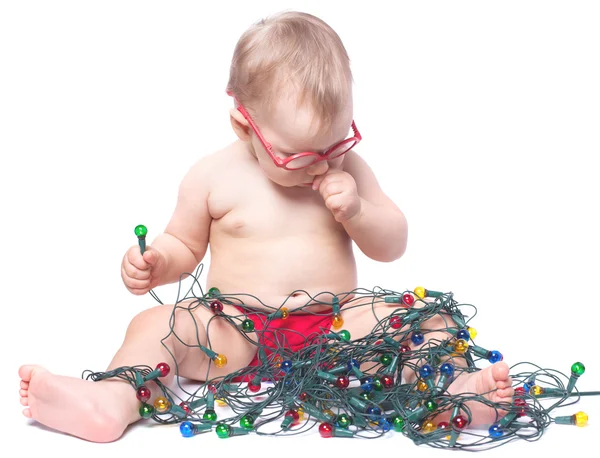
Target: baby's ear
<point>240,125</point>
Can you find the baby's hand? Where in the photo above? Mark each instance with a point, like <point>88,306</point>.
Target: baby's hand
<point>142,273</point>
<point>338,189</point>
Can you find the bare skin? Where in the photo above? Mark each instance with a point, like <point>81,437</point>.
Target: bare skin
<point>270,234</point>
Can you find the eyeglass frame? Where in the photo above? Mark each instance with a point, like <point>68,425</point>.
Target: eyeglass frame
<point>283,162</point>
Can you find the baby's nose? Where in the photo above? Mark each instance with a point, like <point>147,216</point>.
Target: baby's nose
<point>318,169</point>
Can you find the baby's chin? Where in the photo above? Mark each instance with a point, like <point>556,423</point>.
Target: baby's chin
<point>294,184</point>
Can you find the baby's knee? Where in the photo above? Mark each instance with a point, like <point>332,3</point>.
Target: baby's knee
<point>150,318</point>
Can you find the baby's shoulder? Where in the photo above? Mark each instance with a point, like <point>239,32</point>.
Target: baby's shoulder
<point>216,165</point>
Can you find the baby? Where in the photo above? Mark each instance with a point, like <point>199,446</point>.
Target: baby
<point>280,208</point>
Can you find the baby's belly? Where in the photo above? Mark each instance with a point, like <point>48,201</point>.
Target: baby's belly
<point>296,270</point>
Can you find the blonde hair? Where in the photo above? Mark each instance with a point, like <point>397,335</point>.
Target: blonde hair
<point>297,49</point>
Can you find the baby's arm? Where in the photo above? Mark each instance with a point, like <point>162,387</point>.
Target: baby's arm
<point>370,217</point>
<point>185,240</point>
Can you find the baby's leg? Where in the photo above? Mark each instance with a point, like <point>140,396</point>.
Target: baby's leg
<point>492,382</point>
<point>101,411</point>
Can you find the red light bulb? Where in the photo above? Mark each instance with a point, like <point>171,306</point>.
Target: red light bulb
<point>387,381</point>
<point>326,430</point>
<point>163,368</point>
<point>408,299</point>
<point>254,387</point>
<point>143,393</point>
<point>185,407</point>
<point>342,381</point>
<point>521,406</point>
<point>396,322</point>
<point>294,414</point>
<point>216,306</point>
<point>459,422</point>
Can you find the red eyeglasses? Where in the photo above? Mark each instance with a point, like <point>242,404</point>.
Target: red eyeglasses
<point>307,158</point>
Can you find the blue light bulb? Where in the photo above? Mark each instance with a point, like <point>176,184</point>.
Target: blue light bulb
<point>495,356</point>
<point>417,338</point>
<point>286,366</point>
<point>495,431</point>
<point>374,413</point>
<point>367,384</point>
<point>447,369</point>
<point>463,334</point>
<point>385,424</point>
<point>353,363</point>
<point>187,429</point>
<point>426,371</point>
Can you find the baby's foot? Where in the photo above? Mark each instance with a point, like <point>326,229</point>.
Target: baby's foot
<point>95,411</point>
<point>493,383</point>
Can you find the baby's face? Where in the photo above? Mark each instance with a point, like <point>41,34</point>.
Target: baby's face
<point>290,130</point>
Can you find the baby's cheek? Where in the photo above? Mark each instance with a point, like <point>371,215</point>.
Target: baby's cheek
<point>281,176</point>
<point>337,163</point>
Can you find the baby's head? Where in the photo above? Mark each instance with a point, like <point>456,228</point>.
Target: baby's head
<point>291,80</point>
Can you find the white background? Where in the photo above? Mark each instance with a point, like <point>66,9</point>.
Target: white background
<point>480,119</point>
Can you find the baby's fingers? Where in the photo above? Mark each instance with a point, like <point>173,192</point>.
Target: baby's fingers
<point>133,283</point>
<point>133,272</point>
<point>317,182</point>
<point>138,292</point>
<point>136,259</point>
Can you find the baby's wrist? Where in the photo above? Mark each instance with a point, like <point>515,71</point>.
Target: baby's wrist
<point>357,216</point>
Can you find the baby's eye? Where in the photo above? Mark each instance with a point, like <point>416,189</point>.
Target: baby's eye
<point>284,154</point>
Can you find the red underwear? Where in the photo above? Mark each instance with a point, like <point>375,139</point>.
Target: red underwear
<point>290,334</point>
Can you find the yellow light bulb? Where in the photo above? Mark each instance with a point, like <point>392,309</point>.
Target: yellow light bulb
<point>420,292</point>
<point>581,418</point>
<point>472,332</point>
<point>422,386</point>
<point>277,360</point>
<point>536,390</point>
<point>300,414</point>
<point>328,413</point>
<point>220,360</point>
<point>429,426</point>
<point>337,321</point>
<point>460,346</point>
<point>221,402</point>
<point>162,404</point>
<point>284,313</point>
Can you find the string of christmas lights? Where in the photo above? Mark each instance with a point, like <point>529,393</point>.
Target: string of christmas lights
<point>365,387</point>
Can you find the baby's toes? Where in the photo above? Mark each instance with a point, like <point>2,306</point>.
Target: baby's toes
<point>24,385</point>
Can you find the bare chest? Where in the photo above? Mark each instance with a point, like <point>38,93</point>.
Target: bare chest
<point>253,207</point>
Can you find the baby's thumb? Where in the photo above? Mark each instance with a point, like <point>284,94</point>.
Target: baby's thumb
<point>151,257</point>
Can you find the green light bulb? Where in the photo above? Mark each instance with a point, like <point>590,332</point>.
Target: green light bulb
<point>431,406</point>
<point>223,430</point>
<point>247,422</point>
<point>146,411</point>
<point>377,384</point>
<point>385,359</point>
<point>578,368</point>
<point>398,423</point>
<point>210,415</point>
<point>345,335</point>
<point>344,420</point>
<point>213,292</point>
<point>141,231</point>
